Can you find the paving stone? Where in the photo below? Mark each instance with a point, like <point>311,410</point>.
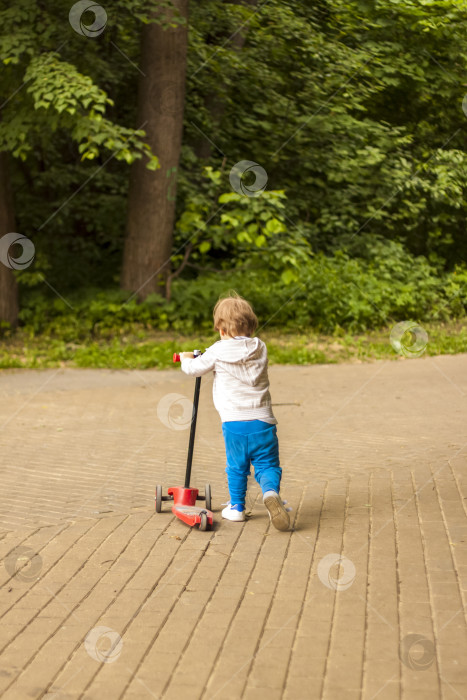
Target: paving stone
<point>242,611</point>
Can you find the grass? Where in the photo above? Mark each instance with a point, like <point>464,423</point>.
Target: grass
<point>144,349</point>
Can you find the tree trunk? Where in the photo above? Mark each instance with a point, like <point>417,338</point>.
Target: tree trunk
<point>8,287</point>
<point>151,202</point>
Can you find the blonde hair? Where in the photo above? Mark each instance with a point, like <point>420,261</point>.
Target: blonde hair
<point>235,316</point>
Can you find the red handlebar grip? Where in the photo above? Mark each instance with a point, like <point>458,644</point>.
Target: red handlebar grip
<point>176,357</point>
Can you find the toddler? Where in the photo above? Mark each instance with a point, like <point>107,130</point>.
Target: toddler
<point>241,396</point>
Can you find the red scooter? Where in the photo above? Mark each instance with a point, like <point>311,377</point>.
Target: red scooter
<point>184,497</point>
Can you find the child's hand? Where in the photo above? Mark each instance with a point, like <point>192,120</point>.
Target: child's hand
<point>186,355</point>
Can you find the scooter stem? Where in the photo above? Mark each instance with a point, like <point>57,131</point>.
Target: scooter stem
<point>194,416</point>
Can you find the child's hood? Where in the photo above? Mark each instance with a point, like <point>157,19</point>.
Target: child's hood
<point>244,358</point>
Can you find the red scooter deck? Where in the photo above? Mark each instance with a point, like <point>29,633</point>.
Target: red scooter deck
<point>193,515</point>
<point>185,507</point>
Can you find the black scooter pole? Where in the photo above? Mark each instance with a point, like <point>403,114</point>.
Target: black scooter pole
<point>194,415</point>
<point>191,444</point>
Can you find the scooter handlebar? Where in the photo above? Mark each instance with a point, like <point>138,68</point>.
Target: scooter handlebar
<point>176,355</point>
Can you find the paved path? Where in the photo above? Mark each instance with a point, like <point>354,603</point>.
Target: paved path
<point>374,460</point>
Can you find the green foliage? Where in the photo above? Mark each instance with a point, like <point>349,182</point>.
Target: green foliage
<point>247,232</point>
<point>68,112</point>
<point>358,119</point>
<point>63,98</point>
<point>353,108</point>
<point>333,294</point>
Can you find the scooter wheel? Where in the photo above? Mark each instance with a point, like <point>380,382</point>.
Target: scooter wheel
<point>204,522</point>
<point>207,496</point>
<point>158,498</point>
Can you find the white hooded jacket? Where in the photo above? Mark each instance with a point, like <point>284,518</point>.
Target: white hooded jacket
<point>241,385</point>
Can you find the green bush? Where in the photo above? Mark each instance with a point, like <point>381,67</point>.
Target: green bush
<point>332,293</point>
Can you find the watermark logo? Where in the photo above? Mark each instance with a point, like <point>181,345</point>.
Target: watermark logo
<point>240,177</point>
<point>417,652</point>
<point>24,564</point>
<point>336,572</point>
<point>409,339</point>
<point>464,105</point>
<point>103,644</point>
<point>90,30</point>
<point>167,97</point>
<point>175,411</point>
<point>10,258</point>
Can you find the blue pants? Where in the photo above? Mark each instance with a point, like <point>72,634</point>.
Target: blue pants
<point>251,442</point>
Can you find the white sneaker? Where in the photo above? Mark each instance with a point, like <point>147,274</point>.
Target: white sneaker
<point>232,513</point>
<point>277,513</point>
